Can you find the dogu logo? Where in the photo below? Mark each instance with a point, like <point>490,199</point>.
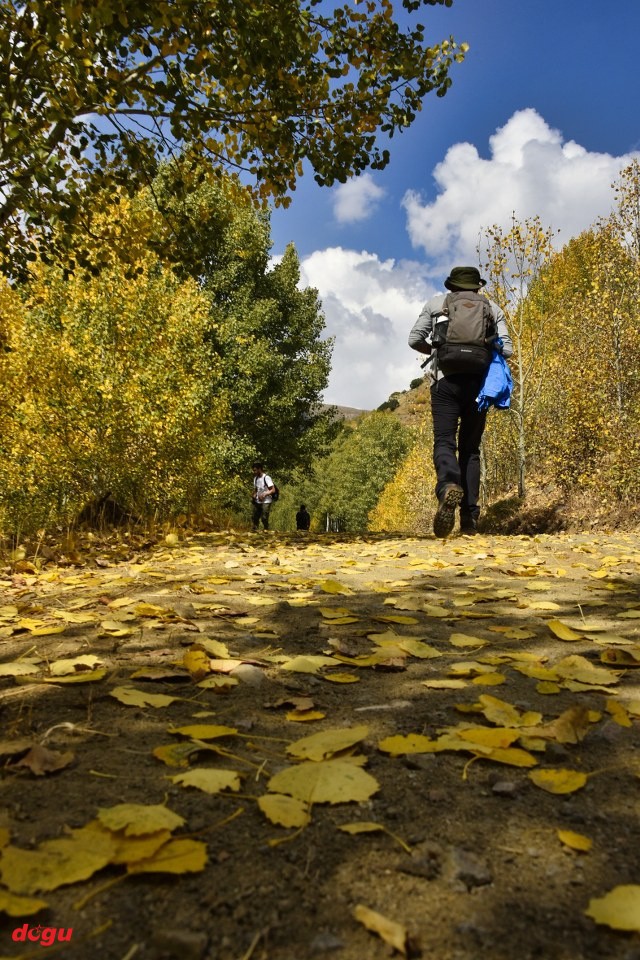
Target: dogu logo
<point>47,936</point>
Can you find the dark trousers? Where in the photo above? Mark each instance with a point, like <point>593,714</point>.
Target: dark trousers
<point>458,426</point>
<point>260,512</point>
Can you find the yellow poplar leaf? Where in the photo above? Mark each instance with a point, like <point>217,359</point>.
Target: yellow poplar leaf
<point>115,629</point>
<point>465,640</point>
<point>622,658</point>
<point>514,633</point>
<point>325,781</point>
<point>304,716</point>
<point>333,613</point>
<point>416,648</point>
<point>159,673</point>
<point>619,713</point>
<point>208,780</point>
<point>401,744</point>
<point>444,684</point>
<point>577,841</point>
<point>489,736</point>
<point>562,631</point>
<point>151,610</point>
<point>630,614</point>
<point>55,863</point>
<point>283,810</point>
<point>137,819</point>
<point>633,706</point>
<point>47,630</point>
<point>61,668</point>
<point>547,687</point>
<point>325,744</point>
<point>18,669</point>
<point>334,586</point>
<point>122,602</point>
<point>513,756</point>
<point>558,781</point>
<point>581,669</point>
<point>489,679</point>
<point>132,849</point>
<point>341,621</point>
<point>504,714</point>
<point>309,664</point>
<point>70,617</point>
<point>362,826</point>
<point>536,671</point>
<point>218,683</point>
<point>204,731</point>
<point>388,930</point>
<point>176,856</point>
<point>433,610</point>
<point>341,678</point>
<point>262,601</point>
<point>85,676</point>
<point>618,909</point>
<point>177,754</point>
<point>15,906</point>
<point>216,648</point>
<point>138,698</point>
<point>197,662</point>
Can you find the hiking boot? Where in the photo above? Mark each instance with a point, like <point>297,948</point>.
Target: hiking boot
<point>468,526</point>
<point>446,513</point>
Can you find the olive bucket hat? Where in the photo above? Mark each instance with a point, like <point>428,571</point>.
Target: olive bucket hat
<point>464,278</point>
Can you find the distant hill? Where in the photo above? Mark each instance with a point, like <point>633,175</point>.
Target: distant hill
<point>343,413</point>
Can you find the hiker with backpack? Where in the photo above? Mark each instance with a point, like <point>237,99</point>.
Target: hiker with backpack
<point>459,332</point>
<point>264,494</point>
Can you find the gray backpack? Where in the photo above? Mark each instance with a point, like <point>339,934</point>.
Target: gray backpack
<point>464,333</point>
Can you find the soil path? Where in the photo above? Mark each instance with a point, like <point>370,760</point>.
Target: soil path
<point>464,677</point>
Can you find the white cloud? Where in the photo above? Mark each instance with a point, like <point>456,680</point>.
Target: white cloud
<point>530,171</point>
<point>369,305</point>
<point>357,199</point>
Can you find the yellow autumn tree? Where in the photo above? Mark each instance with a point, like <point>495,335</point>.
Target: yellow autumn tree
<point>407,503</point>
<point>515,261</point>
<point>593,369</point>
<point>114,391</point>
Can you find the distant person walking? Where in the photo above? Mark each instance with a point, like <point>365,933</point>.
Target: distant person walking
<point>458,332</point>
<point>303,518</point>
<point>262,497</point>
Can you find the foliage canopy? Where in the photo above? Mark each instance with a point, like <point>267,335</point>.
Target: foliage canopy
<point>95,95</point>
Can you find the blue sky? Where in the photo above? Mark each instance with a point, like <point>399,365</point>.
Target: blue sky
<point>542,115</point>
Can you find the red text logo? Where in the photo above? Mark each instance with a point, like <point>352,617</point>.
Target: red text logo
<point>46,936</point>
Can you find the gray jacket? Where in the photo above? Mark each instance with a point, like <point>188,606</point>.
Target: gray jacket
<point>420,336</point>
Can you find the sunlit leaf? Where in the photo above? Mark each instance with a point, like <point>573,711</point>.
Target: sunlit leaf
<point>16,906</point>
<point>618,909</point>
<point>55,863</point>
<point>558,781</point>
<point>204,731</point>
<point>326,781</point>
<point>208,780</point>
<point>562,631</point>
<point>388,930</point>
<point>283,810</point>
<point>136,819</point>
<point>132,697</point>
<point>326,743</point>
<point>176,856</point>
<point>576,841</point>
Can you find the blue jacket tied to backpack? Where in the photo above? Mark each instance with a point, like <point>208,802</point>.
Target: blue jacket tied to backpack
<point>498,384</point>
